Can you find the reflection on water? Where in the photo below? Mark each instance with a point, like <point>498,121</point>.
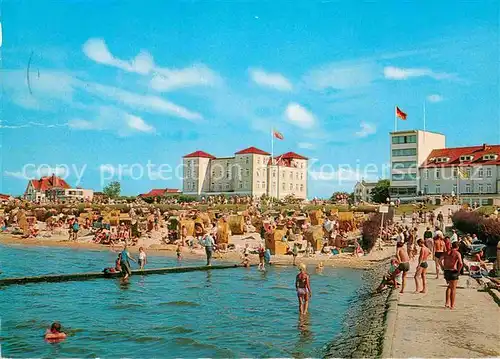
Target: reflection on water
<point>221,313</point>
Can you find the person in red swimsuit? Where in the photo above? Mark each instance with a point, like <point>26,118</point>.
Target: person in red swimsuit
<point>303,287</point>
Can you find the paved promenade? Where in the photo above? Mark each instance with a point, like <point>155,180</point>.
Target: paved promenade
<point>422,327</point>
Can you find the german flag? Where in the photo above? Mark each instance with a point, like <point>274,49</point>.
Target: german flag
<point>400,114</point>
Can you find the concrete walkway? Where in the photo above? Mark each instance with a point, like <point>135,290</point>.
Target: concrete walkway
<point>423,327</point>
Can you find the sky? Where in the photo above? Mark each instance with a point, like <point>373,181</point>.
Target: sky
<point>121,90</point>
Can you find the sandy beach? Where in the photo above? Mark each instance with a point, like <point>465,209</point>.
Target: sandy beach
<point>345,260</point>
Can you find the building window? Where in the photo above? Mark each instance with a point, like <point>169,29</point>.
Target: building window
<point>480,172</point>
<point>404,164</point>
<point>438,173</point>
<point>274,173</point>
<point>263,184</point>
<point>455,172</point>
<point>240,185</point>
<point>468,171</point>
<point>467,188</point>
<point>488,188</point>
<point>228,174</point>
<point>301,176</point>
<point>480,188</point>
<point>296,175</point>
<point>488,172</point>
<point>283,186</point>
<point>283,174</point>
<point>404,152</point>
<point>404,139</point>
<point>274,185</point>
<point>426,189</point>
<point>247,172</point>
<point>438,189</point>
<point>247,160</point>
<point>258,184</point>
<point>455,189</point>
<point>426,174</point>
<point>301,188</point>
<point>258,160</point>
<point>291,175</point>
<point>227,185</point>
<point>404,177</point>
<point>297,187</point>
<point>291,186</point>
<point>466,158</point>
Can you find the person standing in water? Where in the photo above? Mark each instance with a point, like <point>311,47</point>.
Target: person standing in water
<point>126,271</point>
<point>422,267</point>
<point>262,253</point>
<point>303,287</point>
<point>207,241</point>
<point>142,258</point>
<point>295,252</point>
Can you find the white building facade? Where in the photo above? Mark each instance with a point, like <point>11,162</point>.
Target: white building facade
<point>409,149</point>
<point>251,172</point>
<point>362,191</point>
<point>470,173</point>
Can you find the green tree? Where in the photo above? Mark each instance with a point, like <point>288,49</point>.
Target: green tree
<point>339,197</point>
<point>380,192</point>
<point>112,190</point>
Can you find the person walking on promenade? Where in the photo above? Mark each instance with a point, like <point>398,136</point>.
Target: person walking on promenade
<point>303,288</point>
<point>421,271</point>
<point>451,263</point>
<point>125,264</point>
<point>404,263</point>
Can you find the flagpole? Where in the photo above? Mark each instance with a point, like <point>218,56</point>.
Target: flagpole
<point>395,119</point>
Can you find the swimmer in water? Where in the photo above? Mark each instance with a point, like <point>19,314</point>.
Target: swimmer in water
<point>54,333</point>
<point>319,267</point>
<point>303,287</point>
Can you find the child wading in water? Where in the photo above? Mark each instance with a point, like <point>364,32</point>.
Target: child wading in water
<point>303,287</point>
<point>178,251</point>
<point>142,258</point>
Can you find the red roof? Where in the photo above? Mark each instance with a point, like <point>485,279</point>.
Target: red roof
<point>252,150</point>
<point>5,197</point>
<point>49,182</point>
<point>199,154</point>
<point>292,156</point>
<point>454,155</point>
<point>159,192</point>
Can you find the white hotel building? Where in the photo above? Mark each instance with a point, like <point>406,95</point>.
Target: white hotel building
<point>421,165</point>
<point>250,172</point>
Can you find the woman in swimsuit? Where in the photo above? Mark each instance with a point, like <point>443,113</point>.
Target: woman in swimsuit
<point>422,267</point>
<point>303,287</point>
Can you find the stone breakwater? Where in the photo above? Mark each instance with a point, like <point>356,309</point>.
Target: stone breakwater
<point>364,324</point>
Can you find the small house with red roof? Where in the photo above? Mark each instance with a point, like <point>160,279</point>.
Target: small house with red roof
<point>55,189</point>
<point>250,172</point>
<point>4,198</point>
<point>160,192</point>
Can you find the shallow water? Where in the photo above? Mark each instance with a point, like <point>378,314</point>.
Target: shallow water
<point>221,313</point>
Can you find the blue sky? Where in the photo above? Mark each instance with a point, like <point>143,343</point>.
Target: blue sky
<point>124,83</point>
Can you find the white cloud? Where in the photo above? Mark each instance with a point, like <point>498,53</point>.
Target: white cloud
<point>109,118</point>
<point>398,73</point>
<point>196,75</point>
<point>137,123</point>
<point>164,79</point>
<point>32,172</point>
<point>342,75</point>
<point>366,129</point>
<point>299,116</point>
<point>97,50</point>
<point>435,98</point>
<point>147,103</point>
<point>272,80</point>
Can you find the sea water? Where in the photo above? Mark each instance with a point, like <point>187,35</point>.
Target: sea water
<point>239,312</point>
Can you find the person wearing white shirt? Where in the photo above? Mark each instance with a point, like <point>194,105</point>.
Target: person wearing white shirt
<point>454,237</point>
